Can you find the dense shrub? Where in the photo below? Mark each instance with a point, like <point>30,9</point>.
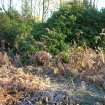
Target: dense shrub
<point>54,41</point>
<point>69,26</point>
<point>75,25</point>
<point>16,30</point>
<point>8,28</point>
<point>38,30</point>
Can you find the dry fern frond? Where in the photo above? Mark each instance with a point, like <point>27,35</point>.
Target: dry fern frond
<point>15,83</point>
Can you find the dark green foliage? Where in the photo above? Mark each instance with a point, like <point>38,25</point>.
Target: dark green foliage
<point>38,30</point>
<point>25,42</point>
<point>16,30</point>
<point>55,41</point>
<point>80,25</point>
<point>8,28</point>
<point>71,25</point>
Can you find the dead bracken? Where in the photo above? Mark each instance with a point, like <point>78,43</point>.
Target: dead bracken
<point>14,84</point>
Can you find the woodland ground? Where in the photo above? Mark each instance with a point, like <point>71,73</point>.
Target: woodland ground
<point>60,84</point>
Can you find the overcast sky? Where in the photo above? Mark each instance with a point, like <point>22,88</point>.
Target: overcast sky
<point>101,4</point>
<point>17,3</point>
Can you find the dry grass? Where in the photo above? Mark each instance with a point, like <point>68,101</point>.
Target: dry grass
<point>14,84</point>
<point>86,63</point>
<point>89,64</point>
<point>8,97</point>
<point>84,59</point>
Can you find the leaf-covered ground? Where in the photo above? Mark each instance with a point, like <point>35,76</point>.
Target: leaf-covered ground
<point>20,88</point>
<point>78,82</point>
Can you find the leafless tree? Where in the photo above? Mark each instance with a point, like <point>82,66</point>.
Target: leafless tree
<point>45,7</point>
<point>10,4</point>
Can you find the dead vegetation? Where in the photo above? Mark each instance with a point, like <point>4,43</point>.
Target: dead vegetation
<point>4,58</point>
<point>41,58</point>
<point>84,59</point>
<point>89,64</point>
<point>15,84</point>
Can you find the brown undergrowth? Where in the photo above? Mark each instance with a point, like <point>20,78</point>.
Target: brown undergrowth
<point>15,84</point>
<point>81,59</point>
<point>87,63</point>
